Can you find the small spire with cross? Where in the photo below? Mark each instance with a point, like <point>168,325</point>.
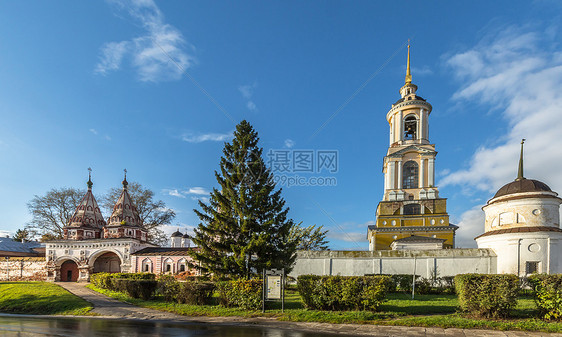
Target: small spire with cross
<point>520,171</point>
<point>125,183</point>
<point>90,183</point>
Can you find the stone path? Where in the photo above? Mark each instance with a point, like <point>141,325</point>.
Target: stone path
<point>111,308</point>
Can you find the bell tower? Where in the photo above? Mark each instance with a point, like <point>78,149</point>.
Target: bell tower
<point>411,206</point>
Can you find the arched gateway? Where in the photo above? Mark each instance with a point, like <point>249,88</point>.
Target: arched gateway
<point>69,271</point>
<point>107,263</point>
<point>91,245</point>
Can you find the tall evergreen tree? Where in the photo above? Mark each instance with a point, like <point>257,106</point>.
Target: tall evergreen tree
<point>244,228</point>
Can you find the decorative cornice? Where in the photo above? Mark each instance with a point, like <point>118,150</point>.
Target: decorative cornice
<point>413,228</point>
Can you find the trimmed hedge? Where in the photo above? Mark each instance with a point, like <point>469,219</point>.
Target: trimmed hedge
<point>195,292</point>
<point>490,296</point>
<point>547,290</point>
<point>246,294</point>
<point>168,287</point>
<point>343,292</point>
<point>139,285</point>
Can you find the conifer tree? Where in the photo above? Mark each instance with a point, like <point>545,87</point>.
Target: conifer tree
<point>244,227</point>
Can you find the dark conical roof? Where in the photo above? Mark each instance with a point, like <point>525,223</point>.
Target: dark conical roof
<point>523,185</point>
<point>185,236</point>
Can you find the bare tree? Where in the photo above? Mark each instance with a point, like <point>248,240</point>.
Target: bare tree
<point>152,213</point>
<point>52,211</point>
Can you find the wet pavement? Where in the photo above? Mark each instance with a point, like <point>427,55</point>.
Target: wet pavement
<point>111,308</point>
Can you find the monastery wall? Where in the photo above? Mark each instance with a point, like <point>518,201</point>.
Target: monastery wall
<point>426,263</point>
<point>23,269</point>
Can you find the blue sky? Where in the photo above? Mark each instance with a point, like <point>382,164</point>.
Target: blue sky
<point>158,87</point>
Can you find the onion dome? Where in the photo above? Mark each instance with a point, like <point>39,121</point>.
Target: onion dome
<point>177,234</point>
<point>88,213</point>
<point>186,236</point>
<point>125,211</point>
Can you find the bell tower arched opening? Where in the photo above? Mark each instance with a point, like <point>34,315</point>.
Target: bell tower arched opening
<point>410,127</point>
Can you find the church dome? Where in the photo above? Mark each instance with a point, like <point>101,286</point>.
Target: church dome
<point>186,236</point>
<point>522,185</point>
<point>177,234</point>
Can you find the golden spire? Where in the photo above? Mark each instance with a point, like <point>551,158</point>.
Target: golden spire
<point>408,74</point>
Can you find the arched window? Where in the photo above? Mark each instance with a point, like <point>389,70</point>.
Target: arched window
<point>410,174</point>
<point>410,127</point>
<point>412,209</point>
<point>146,265</point>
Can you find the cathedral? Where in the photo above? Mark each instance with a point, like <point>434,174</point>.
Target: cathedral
<point>411,213</point>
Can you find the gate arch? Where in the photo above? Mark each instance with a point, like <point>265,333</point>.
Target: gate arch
<point>106,262</point>
<point>69,271</point>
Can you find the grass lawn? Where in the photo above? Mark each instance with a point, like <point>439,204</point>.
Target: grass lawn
<point>40,298</point>
<point>399,309</point>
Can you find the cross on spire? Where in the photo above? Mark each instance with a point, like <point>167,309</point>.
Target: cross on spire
<point>90,183</point>
<point>125,183</point>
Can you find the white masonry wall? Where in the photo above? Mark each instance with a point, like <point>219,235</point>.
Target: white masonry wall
<point>23,269</point>
<point>426,263</point>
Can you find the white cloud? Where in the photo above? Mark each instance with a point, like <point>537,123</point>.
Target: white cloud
<point>251,106</point>
<point>289,143</point>
<point>158,55</point>
<point>95,133</point>
<point>199,192</point>
<point>173,193</point>
<point>425,70</point>
<point>518,74</point>
<point>213,137</point>
<point>247,92</point>
<point>111,56</point>
<point>204,199</point>
<point>471,225</point>
<point>356,237</point>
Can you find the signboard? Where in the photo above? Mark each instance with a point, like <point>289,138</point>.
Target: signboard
<point>273,287</point>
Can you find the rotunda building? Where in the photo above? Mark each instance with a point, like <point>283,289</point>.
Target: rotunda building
<point>523,227</point>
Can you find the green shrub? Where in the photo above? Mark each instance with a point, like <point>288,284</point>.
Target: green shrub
<point>547,290</point>
<point>246,294</point>
<point>104,280</point>
<point>195,292</point>
<point>424,286</point>
<point>137,285</point>
<point>168,287</point>
<point>490,296</point>
<point>343,292</point>
<point>134,287</point>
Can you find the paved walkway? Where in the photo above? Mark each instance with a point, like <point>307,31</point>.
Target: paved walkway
<point>109,307</point>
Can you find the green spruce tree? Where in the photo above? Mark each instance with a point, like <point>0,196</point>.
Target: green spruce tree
<point>244,227</point>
